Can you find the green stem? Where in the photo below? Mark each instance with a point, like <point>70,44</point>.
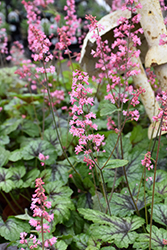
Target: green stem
<point>21,209</point>
<point>25,197</point>
<point>42,232</point>
<point>112,191</point>
<point>8,202</point>
<point>127,182</point>
<point>155,169</point>
<point>105,192</point>
<point>145,197</point>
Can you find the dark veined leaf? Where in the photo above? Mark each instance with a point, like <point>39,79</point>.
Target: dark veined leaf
<point>87,191</point>
<point>60,172</point>
<point>56,190</point>
<point>77,222</point>
<point>30,177</point>
<point>6,184</point>
<point>30,128</point>
<point>85,200</point>
<point>161,189</point>
<point>112,228</point>
<point>160,176</point>
<point>50,135</point>
<point>64,233</point>
<point>93,244</point>
<point>12,228</point>
<point>45,175</point>
<point>10,125</point>
<point>81,241</point>
<point>59,196</point>
<point>157,237</point>
<point>4,156</point>
<point>133,156</point>
<point>18,173</point>
<point>122,204</point>
<point>160,213</point>
<point>110,143</point>
<point>33,149</point>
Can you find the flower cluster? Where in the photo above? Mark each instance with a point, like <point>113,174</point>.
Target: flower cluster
<point>43,158</point>
<point>39,205</point>
<point>3,41</point>
<point>117,60</point>
<point>81,122</point>
<point>162,99</point>
<point>67,33</point>
<point>147,161</point>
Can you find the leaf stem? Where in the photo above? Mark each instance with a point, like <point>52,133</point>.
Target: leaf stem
<point>155,169</point>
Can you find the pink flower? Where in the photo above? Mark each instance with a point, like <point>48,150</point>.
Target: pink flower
<point>33,222</point>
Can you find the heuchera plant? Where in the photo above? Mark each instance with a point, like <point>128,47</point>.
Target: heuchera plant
<point>38,206</point>
<point>85,138</point>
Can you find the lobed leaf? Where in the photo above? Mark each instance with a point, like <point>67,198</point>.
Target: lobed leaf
<point>12,228</point>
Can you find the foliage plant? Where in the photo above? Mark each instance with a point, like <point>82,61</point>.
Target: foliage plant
<point>81,141</point>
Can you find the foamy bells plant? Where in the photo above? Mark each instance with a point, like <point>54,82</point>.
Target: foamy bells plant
<point>41,221</point>
<point>106,30</point>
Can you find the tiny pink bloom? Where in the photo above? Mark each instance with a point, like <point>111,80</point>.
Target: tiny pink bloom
<point>33,222</point>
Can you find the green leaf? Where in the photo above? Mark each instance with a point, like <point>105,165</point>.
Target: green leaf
<point>132,155</point>
<point>77,222</point>
<point>12,228</point>
<point>10,125</point>
<point>24,216</point>
<point>160,176</point>
<point>6,184</point>
<point>137,134</point>
<point>18,173</point>
<point>112,164</point>
<point>85,200</point>
<point>59,173</point>
<point>4,139</point>
<point>81,241</point>
<point>122,204</point>
<point>60,198</point>
<point>157,237</point>
<point>4,156</point>
<point>30,128</point>
<point>60,245</point>
<point>112,228</point>
<point>93,244</point>
<point>30,177</point>
<point>33,149</point>
<point>160,214</point>
<point>107,109</point>
<point>16,155</point>
<point>45,175</point>
<point>108,248</point>
<point>161,189</point>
